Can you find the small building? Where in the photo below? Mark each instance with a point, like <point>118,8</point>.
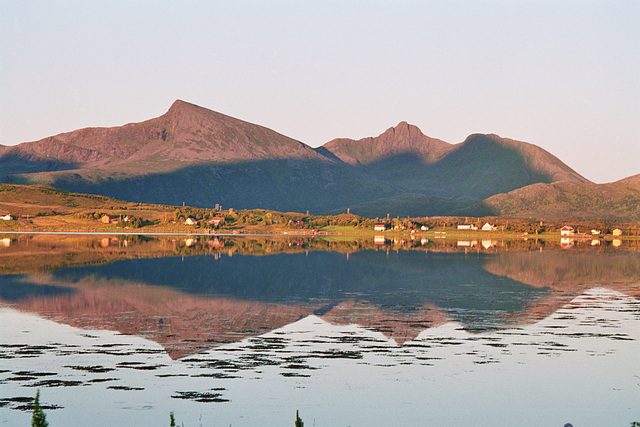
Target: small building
<point>617,232</point>
<point>424,228</point>
<point>488,227</point>
<point>6,217</point>
<point>467,227</point>
<point>109,219</point>
<point>379,226</point>
<point>216,221</point>
<point>567,231</point>
<point>297,222</point>
<point>595,232</point>
<point>190,221</point>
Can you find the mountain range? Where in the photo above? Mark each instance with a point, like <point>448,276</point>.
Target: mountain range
<point>199,157</point>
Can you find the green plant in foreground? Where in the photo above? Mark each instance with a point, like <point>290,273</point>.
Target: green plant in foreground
<point>39,418</point>
<point>299,422</point>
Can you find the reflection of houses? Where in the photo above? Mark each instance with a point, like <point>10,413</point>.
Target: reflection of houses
<point>105,242</point>
<point>616,242</point>
<point>488,243</point>
<point>380,227</point>
<point>216,243</point>
<point>566,243</point>
<point>617,232</point>
<point>190,221</point>
<point>467,243</point>
<point>567,231</point>
<point>379,240</point>
<point>467,227</point>
<point>488,227</point>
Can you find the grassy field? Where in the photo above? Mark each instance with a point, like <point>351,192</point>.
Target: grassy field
<point>37,208</point>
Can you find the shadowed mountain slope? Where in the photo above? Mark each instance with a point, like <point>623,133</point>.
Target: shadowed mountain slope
<point>481,166</point>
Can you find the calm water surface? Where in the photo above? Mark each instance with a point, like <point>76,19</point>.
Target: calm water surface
<point>221,331</point>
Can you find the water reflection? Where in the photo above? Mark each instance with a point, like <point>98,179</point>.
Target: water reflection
<point>218,289</point>
<point>223,306</point>
<point>547,373</point>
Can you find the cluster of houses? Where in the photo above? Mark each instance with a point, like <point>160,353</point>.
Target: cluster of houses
<point>380,226</point>
<point>485,227</point>
<point>215,221</point>
<point>570,231</point>
<point>112,219</point>
<point>564,231</point>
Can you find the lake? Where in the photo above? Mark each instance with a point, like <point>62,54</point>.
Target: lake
<point>227,330</point>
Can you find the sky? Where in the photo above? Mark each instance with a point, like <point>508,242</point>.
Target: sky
<point>563,75</point>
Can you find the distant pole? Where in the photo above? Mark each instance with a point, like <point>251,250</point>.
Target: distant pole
<point>348,210</point>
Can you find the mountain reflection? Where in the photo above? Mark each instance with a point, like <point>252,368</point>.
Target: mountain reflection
<point>193,294</point>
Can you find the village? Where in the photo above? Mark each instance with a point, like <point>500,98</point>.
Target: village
<point>190,220</point>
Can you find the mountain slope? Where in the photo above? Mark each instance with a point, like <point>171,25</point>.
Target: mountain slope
<point>185,134</point>
<point>192,155</point>
<point>481,166</point>
<point>565,199</point>
<point>404,139</point>
<point>200,157</point>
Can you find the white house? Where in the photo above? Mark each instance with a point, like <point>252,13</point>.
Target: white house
<point>379,226</point>
<point>488,227</point>
<point>190,221</point>
<point>467,227</point>
<point>6,217</point>
<point>567,231</point>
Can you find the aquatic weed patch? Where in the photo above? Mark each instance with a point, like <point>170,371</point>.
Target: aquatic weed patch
<point>125,388</point>
<point>24,403</point>
<point>204,397</point>
<point>94,369</point>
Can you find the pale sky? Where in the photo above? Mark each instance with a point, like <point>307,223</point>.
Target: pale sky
<point>564,75</point>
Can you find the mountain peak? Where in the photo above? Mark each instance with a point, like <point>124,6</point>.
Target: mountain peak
<point>180,105</point>
<point>402,139</point>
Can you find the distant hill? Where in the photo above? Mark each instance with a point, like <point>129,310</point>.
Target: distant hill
<point>199,157</point>
<point>565,199</point>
